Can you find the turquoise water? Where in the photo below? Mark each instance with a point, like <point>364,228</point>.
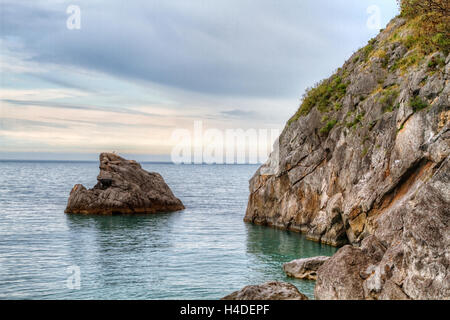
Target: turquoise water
<point>203,252</point>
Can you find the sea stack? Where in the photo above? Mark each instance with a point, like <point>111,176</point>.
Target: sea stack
<point>123,187</point>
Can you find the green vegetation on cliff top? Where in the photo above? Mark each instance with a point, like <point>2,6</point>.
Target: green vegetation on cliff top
<point>427,30</point>
<point>324,95</point>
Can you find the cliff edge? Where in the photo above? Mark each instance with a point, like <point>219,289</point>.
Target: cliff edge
<point>365,162</point>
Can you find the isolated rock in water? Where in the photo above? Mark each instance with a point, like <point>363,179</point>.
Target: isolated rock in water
<point>123,188</point>
<point>304,268</point>
<point>268,291</point>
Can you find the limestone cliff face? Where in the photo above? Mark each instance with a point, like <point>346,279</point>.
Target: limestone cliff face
<point>346,165</point>
<point>367,163</point>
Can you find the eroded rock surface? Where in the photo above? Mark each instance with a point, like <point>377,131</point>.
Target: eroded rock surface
<point>268,291</point>
<point>123,188</point>
<point>305,268</point>
<point>407,257</point>
<point>370,170</point>
<point>334,186</point>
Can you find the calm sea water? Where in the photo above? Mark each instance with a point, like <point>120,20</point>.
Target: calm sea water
<point>203,252</point>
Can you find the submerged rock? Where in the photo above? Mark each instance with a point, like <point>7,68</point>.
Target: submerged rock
<point>123,188</point>
<point>305,268</point>
<point>268,291</point>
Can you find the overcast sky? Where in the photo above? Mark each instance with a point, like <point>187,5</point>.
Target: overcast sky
<point>137,70</point>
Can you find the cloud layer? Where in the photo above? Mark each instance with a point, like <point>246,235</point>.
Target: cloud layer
<point>169,61</point>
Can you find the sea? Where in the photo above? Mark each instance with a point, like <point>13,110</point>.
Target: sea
<point>203,252</point>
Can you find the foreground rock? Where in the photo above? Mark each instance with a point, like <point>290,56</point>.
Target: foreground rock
<point>304,268</point>
<point>268,291</point>
<point>366,163</point>
<point>408,256</point>
<point>123,188</point>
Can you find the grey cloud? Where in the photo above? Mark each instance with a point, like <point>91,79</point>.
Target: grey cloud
<point>57,80</point>
<point>60,105</point>
<point>109,124</point>
<point>240,113</point>
<point>248,48</point>
<point>13,124</point>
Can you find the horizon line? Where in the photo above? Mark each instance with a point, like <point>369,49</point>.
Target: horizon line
<point>149,162</point>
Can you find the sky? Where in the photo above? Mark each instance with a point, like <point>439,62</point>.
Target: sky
<point>136,71</point>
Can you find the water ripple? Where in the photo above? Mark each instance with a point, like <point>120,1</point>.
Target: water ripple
<point>203,252</point>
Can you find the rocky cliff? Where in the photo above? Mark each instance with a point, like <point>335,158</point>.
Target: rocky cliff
<point>365,162</point>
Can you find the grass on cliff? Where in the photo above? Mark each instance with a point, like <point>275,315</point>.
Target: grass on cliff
<point>418,104</point>
<point>327,128</point>
<point>421,42</point>
<point>430,22</point>
<point>388,98</point>
<point>324,95</point>
<point>427,30</point>
<point>367,50</point>
<point>436,63</point>
<point>356,120</point>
